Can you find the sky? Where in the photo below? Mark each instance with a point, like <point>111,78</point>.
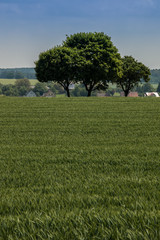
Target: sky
<point>28,27</point>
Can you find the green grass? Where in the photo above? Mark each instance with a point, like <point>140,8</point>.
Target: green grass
<point>12,81</point>
<point>60,95</point>
<point>80,168</point>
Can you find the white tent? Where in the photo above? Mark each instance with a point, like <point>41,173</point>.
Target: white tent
<point>151,94</point>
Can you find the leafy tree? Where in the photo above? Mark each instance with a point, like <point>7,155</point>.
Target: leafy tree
<point>40,88</point>
<point>59,65</point>
<point>147,87</point>
<point>110,92</point>
<point>23,86</point>
<point>133,73</point>
<point>158,88</point>
<point>56,88</point>
<point>139,89</point>
<point>79,91</point>
<point>100,63</point>
<point>143,88</point>
<point>23,83</point>
<point>14,91</point>
<point>9,90</point>
<point>1,88</point>
<point>6,89</point>
<point>22,91</point>
<point>155,75</point>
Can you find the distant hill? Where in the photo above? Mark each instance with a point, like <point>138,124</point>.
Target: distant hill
<point>17,73</point>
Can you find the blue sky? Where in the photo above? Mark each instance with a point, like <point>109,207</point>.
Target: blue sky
<point>32,26</point>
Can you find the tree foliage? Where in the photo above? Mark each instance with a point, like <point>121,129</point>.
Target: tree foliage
<point>22,86</point>
<point>59,64</point>
<point>9,90</point>
<point>147,87</point>
<point>101,61</point>
<point>158,88</point>
<point>155,75</point>
<point>79,91</point>
<point>143,88</point>
<point>133,73</point>
<point>23,83</point>
<point>40,89</point>
<point>56,88</point>
<point>90,58</point>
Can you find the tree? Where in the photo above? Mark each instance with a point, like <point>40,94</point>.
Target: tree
<point>147,87</point>
<point>39,89</point>
<point>23,83</point>
<point>22,86</point>
<point>155,75</point>
<point>9,90</point>
<point>79,91</point>
<point>22,90</point>
<point>143,88</point>
<point>1,88</point>
<point>110,92</point>
<point>133,73</point>
<point>56,88</point>
<point>101,62</point>
<point>139,89</point>
<point>58,64</point>
<point>158,88</point>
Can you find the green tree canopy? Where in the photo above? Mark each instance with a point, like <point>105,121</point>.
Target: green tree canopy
<point>40,88</point>
<point>22,86</point>
<point>101,62</point>
<point>56,88</point>
<point>147,87</point>
<point>158,88</point>
<point>90,58</point>
<point>23,83</point>
<point>79,91</point>
<point>22,91</point>
<point>9,90</point>
<point>59,64</point>
<point>133,73</point>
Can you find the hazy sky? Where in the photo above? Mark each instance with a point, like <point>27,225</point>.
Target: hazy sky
<point>29,27</point>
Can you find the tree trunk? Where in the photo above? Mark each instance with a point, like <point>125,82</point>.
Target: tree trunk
<point>68,93</point>
<point>126,92</point>
<point>89,93</point>
<point>88,89</point>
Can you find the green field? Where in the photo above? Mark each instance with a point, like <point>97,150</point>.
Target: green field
<point>12,81</point>
<point>79,168</point>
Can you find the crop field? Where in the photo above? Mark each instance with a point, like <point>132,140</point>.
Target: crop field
<point>12,81</point>
<point>79,168</point>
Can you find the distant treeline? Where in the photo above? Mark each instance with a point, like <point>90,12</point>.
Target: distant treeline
<point>19,73</point>
<point>155,76</point>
